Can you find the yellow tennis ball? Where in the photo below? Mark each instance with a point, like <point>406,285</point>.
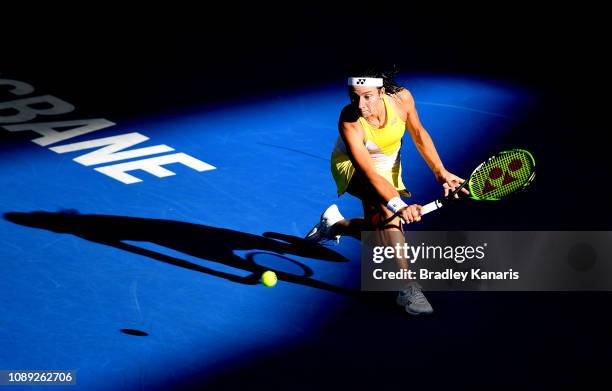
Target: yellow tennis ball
<point>269,278</point>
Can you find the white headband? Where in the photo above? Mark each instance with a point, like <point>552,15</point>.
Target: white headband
<point>365,81</point>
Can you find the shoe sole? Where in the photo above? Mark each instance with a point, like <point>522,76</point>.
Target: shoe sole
<point>418,313</point>
<point>412,312</point>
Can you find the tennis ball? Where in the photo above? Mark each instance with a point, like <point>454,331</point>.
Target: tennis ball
<point>269,278</point>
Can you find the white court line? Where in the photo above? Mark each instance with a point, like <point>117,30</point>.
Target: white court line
<point>462,108</point>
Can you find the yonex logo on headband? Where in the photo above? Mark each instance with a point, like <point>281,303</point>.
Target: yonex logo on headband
<point>365,81</point>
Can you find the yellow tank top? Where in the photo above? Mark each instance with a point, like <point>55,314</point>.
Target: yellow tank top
<point>384,147</point>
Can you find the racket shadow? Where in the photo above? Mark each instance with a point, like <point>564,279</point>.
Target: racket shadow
<point>204,242</point>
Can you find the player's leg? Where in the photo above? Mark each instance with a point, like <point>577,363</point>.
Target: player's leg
<point>332,225</point>
<point>349,227</point>
<point>391,233</point>
<point>388,232</point>
<point>358,187</point>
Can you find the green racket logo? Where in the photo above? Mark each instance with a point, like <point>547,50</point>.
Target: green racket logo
<point>502,175</point>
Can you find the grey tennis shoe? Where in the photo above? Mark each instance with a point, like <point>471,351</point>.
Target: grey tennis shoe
<point>413,299</point>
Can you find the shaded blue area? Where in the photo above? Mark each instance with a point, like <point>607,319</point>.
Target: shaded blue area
<point>65,298</point>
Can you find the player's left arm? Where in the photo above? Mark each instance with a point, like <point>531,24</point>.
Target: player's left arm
<point>425,145</point>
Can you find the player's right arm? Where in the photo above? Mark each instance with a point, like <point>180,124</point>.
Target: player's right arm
<point>352,134</point>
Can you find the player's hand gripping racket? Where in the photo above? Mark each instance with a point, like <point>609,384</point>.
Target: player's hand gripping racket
<point>501,175</point>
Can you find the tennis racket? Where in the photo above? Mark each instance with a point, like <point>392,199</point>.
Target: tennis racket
<point>503,174</point>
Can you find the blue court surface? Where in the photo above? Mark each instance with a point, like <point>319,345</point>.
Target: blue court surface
<point>155,284</point>
<point>180,164</point>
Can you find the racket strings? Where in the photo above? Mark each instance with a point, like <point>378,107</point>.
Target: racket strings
<point>502,175</point>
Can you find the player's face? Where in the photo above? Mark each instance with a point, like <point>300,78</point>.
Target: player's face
<point>366,99</point>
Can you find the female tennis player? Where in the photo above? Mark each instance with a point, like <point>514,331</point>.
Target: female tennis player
<point>366,163</point>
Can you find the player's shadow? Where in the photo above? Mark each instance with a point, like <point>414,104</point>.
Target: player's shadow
<point>201,241</point>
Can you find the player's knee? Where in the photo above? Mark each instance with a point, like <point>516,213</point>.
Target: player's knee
<point>381,217</point>
<point>384,212</point>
